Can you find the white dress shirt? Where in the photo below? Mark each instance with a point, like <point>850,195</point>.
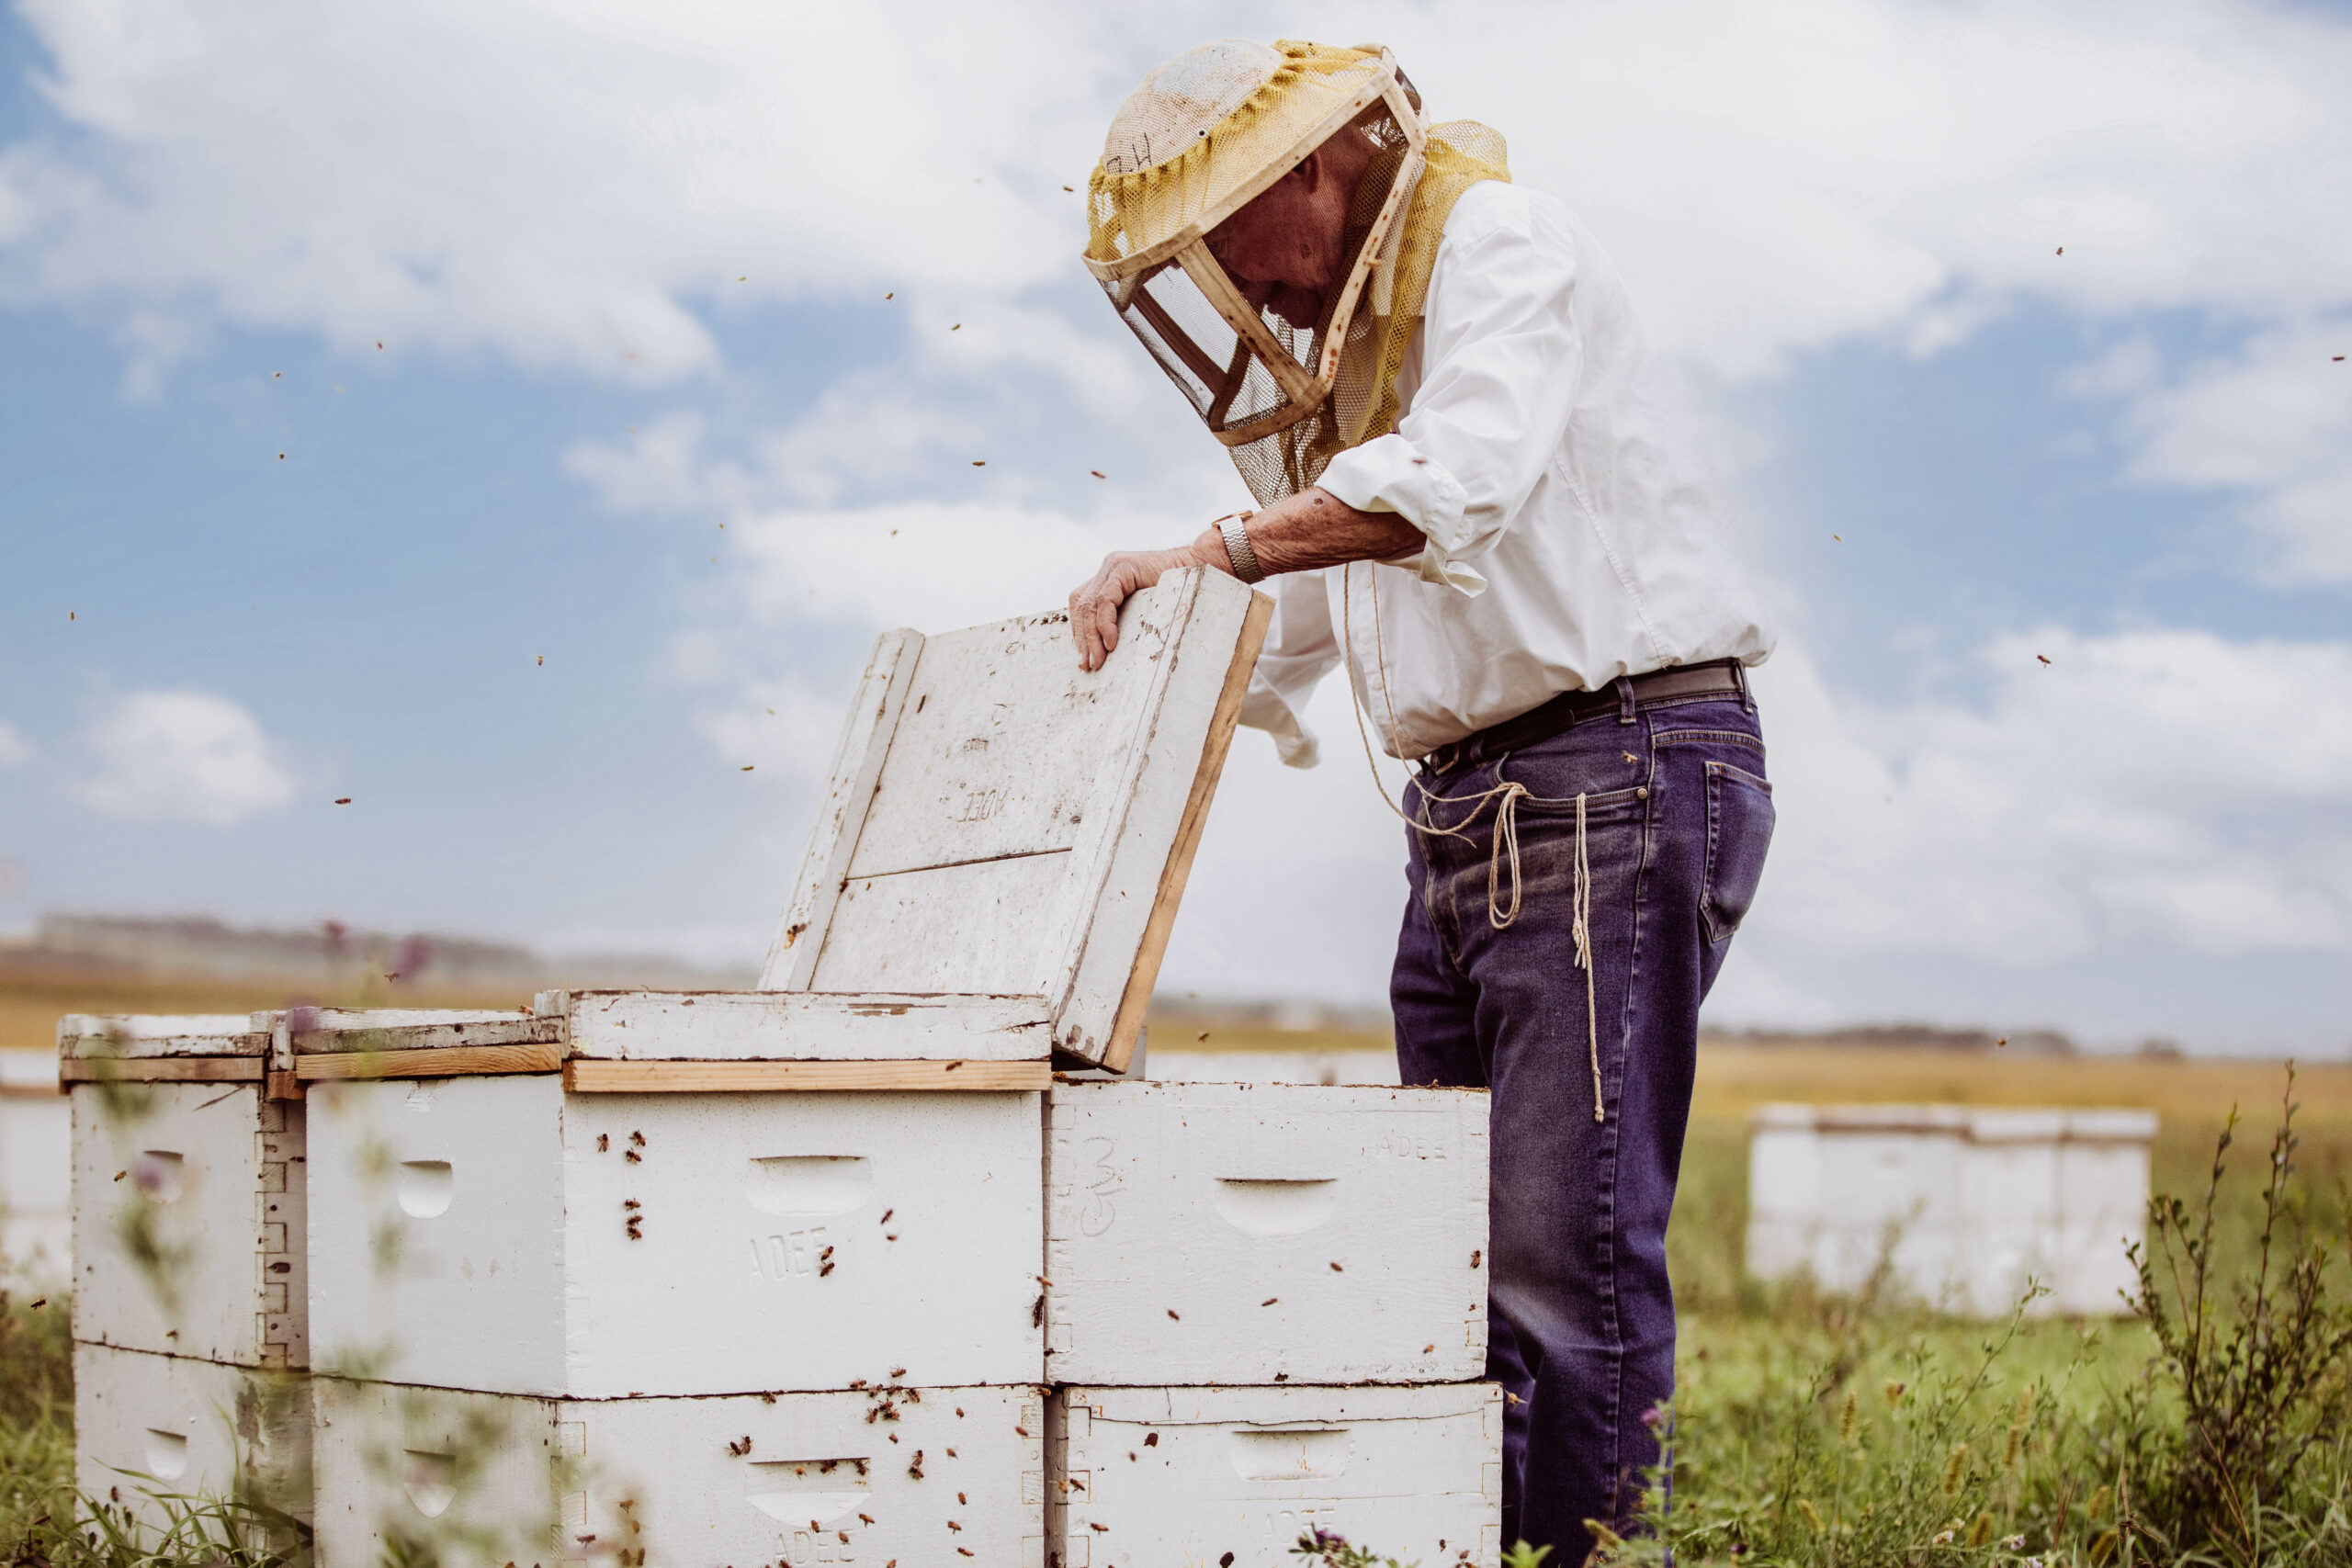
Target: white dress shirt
<point>1570,541</point>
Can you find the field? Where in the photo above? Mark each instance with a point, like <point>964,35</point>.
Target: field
<point>1808,1429</point>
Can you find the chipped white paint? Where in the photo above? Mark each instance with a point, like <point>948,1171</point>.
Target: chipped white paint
<point>36,1167</point>
<point>1961,1205</point>
<point>1000,820</point>
<point>858,763</point>
<point>1236,1234</point>
<point>738,1026</point>
<point>920,1476</point>
<point>495,1233</point>
<point>188,1222</point>
<point>308,1031</point>
<point>88,1036</point>
<point>1175,1064</point>
<point>1140,1477</point>
<point>149,1426</point>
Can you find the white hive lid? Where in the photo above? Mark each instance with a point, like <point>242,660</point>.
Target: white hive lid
<point>1001,823</point>
<point>89,1037</point>
<point>1857,1119</point>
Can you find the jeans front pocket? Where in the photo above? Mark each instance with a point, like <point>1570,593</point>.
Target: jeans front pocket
<point>1740,829</point>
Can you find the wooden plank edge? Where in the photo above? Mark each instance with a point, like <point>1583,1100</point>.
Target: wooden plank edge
<point>587,1076</point>
<point>362,1041</point>
<point>438,1062</point>
<point>159,1069</point>
<point>1126,1025</point>
<point>849,795</point>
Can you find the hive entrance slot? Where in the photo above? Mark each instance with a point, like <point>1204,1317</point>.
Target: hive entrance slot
<point>431,1479</point>
<point>808,1184</point>
<point>424,1186</point>
<point>1276,1206</point>
<point>161,1174</point>
<point>166,1454</point>
<point>1292,1453</point>
<point>814,1491</point>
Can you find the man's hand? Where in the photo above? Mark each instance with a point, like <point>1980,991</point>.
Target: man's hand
<point>1094,604</point>
<point>1314,528</point>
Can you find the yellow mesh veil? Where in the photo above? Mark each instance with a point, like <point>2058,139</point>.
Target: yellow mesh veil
<point>1206,132</point>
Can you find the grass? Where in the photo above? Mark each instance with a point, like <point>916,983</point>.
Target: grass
<point>1814,1430</point>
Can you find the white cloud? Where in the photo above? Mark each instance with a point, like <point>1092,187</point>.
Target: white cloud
<point>777,726</point>
<point>1776,178</point>
<point>14,750</point>
<point>2272,420</point>
<point>181,756</point>
<point>575,186</point>
<point>2153,792</point>
<point>2170,789</point>
<point>554,184</point>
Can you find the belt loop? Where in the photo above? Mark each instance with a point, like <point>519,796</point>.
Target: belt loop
<point>1624,699</point>
<point>1739,673</point>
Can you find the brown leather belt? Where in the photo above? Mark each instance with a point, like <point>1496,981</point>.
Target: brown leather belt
<point>1721,677</point>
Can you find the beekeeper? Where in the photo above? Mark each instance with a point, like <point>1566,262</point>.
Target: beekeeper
<point>1434,385</point>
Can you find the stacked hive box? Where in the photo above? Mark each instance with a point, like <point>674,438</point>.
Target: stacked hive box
<point>36,1216</point>
<point>1960,1206</point>
<point>1266,1308</point>
<point>759,1276</point>
<point>189,1308</point>
<point>726,1325</point>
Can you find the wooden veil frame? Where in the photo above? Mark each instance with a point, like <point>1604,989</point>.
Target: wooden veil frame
<point>1304,389</point>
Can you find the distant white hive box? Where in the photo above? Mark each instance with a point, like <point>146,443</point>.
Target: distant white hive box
<point>147,1427</point>
<point>1139,1477</point>
<point>919,1476</point>
<point>499,1234</point>
<point>187,1185</point>
<point>1961,1205</point>
<point>1255,1234</point>
<point>36,1163</point>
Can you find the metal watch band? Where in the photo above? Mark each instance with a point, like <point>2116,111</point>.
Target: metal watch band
<point>1236,546</point>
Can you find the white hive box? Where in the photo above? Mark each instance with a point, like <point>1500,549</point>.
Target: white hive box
<point>1143,1477</point>
<point>1962,1206</point>
<point>36,1165</point>
<point>1784,1191</point>
<point>2103,1187</point>
<point>1253,1234</point>
<point>476,1480</point>
<point>187,1192</point>
<point>1006,829</point>
<point>147,1427</point>
<point>499,1234</point>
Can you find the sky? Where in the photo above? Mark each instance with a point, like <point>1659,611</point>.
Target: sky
<point>518,420</point>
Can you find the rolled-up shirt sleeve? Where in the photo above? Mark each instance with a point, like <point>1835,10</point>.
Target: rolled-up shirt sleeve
<point>1502,358</point>
<point>1301,649</point>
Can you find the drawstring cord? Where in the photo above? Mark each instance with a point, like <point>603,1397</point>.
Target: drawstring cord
<point>1506,796</point>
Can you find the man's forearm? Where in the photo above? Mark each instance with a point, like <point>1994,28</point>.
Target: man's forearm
<point>1297,535</point>
<point>1316,529</point>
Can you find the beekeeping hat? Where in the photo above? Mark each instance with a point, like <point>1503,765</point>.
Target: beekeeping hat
<point>1206,133</point>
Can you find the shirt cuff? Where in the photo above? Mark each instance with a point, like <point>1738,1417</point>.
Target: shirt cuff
<point>1388,475</point>
<point>1266,708</point>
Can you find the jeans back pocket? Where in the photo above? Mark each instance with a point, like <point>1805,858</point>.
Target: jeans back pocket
<point>1740,829</point>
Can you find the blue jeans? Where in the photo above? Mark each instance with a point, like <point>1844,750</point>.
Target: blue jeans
<point>1676,818</point>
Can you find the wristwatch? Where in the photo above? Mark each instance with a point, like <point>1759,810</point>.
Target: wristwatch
<point>1236,546</point>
